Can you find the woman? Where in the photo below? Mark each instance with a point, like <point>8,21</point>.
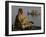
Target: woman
<point>21,21</point>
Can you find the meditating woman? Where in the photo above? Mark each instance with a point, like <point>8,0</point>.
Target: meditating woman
<point>21,21</point>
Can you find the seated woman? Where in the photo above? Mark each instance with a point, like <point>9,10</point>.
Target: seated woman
<point>21,21</point>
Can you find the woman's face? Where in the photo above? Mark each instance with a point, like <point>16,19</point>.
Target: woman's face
<point>21,11</point>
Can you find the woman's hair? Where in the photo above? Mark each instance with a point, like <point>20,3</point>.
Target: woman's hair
<point>20,10</point>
